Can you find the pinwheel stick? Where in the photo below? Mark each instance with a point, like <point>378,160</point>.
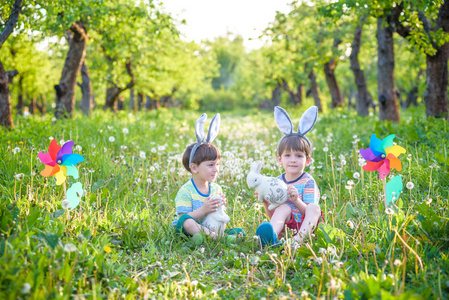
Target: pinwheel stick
<point>384,183</point>
<point>64,186</point>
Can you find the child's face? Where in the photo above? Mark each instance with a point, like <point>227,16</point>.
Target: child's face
<point>293,161</point>
<point>207,170</point>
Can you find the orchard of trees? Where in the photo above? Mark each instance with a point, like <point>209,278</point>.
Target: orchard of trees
<point>58,56</point>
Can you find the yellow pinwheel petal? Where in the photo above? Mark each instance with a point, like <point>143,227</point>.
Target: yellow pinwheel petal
<point>60,177</point>
<point>63,169</point>
<point>395,150</point>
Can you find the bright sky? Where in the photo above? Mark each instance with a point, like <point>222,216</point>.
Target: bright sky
<point>207,19</point>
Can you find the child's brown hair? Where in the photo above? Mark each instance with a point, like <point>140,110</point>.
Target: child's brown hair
<point>294,143</point>
<point>204,152</point>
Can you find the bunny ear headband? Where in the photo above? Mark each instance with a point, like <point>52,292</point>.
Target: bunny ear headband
<point>306,123</point>
<point>199,131</point>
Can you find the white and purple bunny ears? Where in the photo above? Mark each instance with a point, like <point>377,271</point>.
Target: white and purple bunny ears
<point>214,127</point>
<point>285,125</point>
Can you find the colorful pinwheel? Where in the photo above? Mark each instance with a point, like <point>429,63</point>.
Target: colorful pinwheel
<point>382,155</point>
<point>60,161</point>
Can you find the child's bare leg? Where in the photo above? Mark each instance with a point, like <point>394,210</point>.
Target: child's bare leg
<point>281,215</point>
<point>193,227</point>
<point>312,215</point>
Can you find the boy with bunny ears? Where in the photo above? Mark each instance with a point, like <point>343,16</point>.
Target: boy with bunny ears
<point>201,196</point>
<point>301,211</point>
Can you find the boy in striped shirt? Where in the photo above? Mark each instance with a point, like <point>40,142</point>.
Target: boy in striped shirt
<point>301,211</point>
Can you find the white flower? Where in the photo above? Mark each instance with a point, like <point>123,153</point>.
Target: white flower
<point>70,247</point>
<point>319,260</point>
<point>389,211</point>
<point>112,139</point>
<point>61,142</point>
<point>93,146</point>
<point>161,148</point>
<point>65,204</point>
<point>123,147</point>
<point>362,162</point>
<point>304,294</point>
<point>16,150</point>
<point>429,201</point>
<point>110,127</point>
<point>325,149</point>
<point>149,180</point>
<point>142,154</point>
<point>51,138</point>
<point>356,175</point>
<point>410,185</point>
<point>125,130</point>
<point>78,148</point>
<point>397,262</point>
<point>322,250</point>
<point>152,169</point>
<point>26,288</point>
<point>19,176</point>
<point>350,224</point>
<point>153,150</point>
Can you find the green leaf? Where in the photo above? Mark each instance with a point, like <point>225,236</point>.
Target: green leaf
<point>52,239</point>
<point>58,213</point>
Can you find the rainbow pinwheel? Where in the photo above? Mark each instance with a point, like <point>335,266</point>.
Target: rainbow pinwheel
<point>60,161</point>
<point>382,155</point>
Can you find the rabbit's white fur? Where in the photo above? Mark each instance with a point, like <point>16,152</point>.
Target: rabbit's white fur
<point>216,221</point>
<point>272,189</point>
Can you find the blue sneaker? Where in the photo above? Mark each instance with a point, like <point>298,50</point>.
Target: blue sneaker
<point>266,234</point>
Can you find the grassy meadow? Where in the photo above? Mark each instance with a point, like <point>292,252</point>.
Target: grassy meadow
<point>118,243</point>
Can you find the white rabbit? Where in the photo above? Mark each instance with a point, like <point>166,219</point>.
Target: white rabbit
<point>216,221</point>
<point>272,189</point>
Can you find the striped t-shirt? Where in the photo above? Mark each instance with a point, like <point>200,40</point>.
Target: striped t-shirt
<point>190,199</point>
<point>308,192</point>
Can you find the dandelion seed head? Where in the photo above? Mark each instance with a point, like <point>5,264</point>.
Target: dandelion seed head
<point>112,139</point>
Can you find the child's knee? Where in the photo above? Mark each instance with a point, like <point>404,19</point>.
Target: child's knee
<point>313,209</point>
<point>188,223</point>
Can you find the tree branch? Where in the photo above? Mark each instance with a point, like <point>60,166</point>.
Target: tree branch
<point>12,21</point>
<point>129,69</point>
<point>443,17</point>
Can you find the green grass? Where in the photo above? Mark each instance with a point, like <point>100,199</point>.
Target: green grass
<point>119,244</point>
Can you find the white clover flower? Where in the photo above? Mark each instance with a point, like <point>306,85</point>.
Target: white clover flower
<point>389,211</point>
<point>70,247</point>
<point>51,138</point>
<point>397,262</point>
<point>429,201</point>
<point>19,176</point>
<point>26,288</point>
<point>65,204</point>
<point>410,185</point>
<point>16,150</point>
<point>125,130</point>
<point>304,294</point>
<point>112,139</point>
<point>356,175</point>
<point>350,224</point>
<point>142,154</point>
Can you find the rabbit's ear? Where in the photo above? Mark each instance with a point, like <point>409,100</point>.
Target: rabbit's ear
<point>308,120</point>
<point>214,127</point>
<point>259,166</point>
<point>199,128</point>
<point>283,120</point>
<point>256,166</point>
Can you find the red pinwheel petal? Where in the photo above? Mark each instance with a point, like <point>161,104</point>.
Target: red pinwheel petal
<point>53,149</point>
<point>46,159</point>
<point>65,149</point>
<point>50,171</point>
<point>384,169</point>
<point>372,166</point>
<point>395,163</point>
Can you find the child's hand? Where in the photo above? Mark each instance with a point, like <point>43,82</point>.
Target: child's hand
<point>256,194</point>
<point>223,196</point>
<point>292,193</point>
<point>210,205</point>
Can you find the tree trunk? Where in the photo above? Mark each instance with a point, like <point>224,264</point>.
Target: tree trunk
<point>33,105</point>
<point>314,90</point>
<point>362,91</point>
<point>132,105</point>
<point>65,90</point>
<point>329,72</point>
<point>114,91</point>
<point>152,103</point>
<point>139,101</point>
<point>6,77</point>
<point>41,107</point>
<point>5,100</point>
<point>20,102</point>
<point>388,104</point>
<point>295,96</point>
<point>276,96</point>
<point>86,90</point>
